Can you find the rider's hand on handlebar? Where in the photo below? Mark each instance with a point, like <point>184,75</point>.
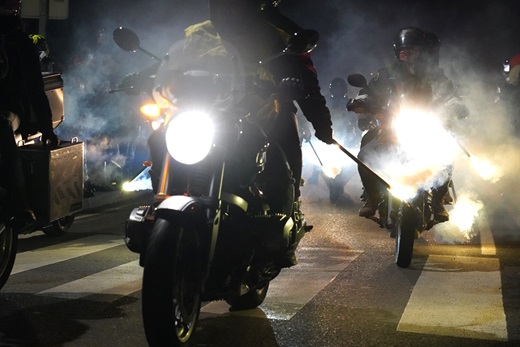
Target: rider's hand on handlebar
<point>50,140</point>
<point>325,134</point>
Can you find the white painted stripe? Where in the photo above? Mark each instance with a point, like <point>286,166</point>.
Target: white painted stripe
<point>121,281</point>
<point>457,296</point>
<point>295,287</point>
<point>487,243</point>
<point>64,251</point>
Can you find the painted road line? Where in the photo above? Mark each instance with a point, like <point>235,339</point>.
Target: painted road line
<point>457,296</point>
<point>295,287</point>
<point>64,251</point>
<point>487,243</point>
<point>122,280</point>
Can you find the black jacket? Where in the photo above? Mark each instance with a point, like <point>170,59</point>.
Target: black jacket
<point>22,90</point>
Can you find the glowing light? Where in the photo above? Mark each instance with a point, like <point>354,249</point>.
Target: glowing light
<point>403,192</point>
<point>189,137</point>
<point>150,110</point>
<point>331,171</point>
<point>465,212</point>
<point>141,182</point>
<point>485,169</point>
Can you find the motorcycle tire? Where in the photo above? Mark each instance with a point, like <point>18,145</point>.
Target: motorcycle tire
<point>250,300</point>
<point>171,293</point>
<point>59,227</point>
<point>404,238</point>
<point>8,246</point>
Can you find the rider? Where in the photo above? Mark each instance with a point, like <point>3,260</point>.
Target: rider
<point>23,97</point>
<point>46,62</point>
<point>416,73</point>
<point>259,30</point>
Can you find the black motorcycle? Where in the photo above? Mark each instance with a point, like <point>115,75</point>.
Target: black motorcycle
<point>54,183</point>
<point>224,216</point>
<point>406,210</point>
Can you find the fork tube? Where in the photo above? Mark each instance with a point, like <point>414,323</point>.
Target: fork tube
<point>165,174</point>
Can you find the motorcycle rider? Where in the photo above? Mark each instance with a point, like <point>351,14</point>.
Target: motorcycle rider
<point>416,73</point>
<point>259,30</point>
<point>24,106</point>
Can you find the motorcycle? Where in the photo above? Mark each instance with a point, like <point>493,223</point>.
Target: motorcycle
<point>55,194</point>
<point>223,218</point>
<point>406,209</point>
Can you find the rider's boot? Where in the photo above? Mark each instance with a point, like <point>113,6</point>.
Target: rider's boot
<point>440,213</point>
<point>301,227</point>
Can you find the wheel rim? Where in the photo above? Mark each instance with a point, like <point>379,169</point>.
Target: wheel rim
<point>186,291</point>
<point>6,245</point>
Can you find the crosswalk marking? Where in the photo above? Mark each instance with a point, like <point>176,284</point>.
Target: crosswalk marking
<point>64,251</point>
<point>295,287</point>
<point>121,280</point>
<point>457,296</point>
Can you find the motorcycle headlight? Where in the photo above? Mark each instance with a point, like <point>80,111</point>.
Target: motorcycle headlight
<point>189,137</point>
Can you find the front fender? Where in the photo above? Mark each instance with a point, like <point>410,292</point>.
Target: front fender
<point>184,205</point>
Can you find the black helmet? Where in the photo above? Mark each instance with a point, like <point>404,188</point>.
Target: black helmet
<point>417,49</point>
<point>338,88</point>
<point>407,39</point>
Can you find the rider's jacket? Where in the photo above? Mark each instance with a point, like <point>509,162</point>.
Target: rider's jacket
<point>432,90</point>
<point>22,88</point>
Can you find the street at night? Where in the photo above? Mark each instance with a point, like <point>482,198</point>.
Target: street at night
<point>83,289</point>
<point>406,118</point>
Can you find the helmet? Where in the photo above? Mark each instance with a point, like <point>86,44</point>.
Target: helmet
<point>10,7</point>
<point>408,42</point>
<point>417,49</point>
<point>41,45</point>
<point>338,88</point>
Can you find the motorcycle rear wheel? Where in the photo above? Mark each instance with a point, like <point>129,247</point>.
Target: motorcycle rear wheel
<point>250,300</point>
<point>8,246</point>
<point>171,294</point>
<point>404,237</point>
<point>59,227</point>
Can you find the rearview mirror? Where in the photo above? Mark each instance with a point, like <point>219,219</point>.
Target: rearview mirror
<point>357,80</point>
<point>126,39</point>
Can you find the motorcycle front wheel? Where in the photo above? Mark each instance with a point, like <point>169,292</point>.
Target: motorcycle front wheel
<point>171,293</point>
<point>405,236</point>
<point>8,244</point>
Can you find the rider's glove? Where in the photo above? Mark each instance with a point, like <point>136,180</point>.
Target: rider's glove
<point>325,134</point>
<point>50,140</point>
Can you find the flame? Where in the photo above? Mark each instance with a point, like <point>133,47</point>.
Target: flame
<point>464,213</point>
<point>331,171</point>
<point>141,182</point>
<point>485,169</point>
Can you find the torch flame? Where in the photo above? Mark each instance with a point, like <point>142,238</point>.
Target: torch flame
<point>465,212</point>
<point>331,171</point>
<point>485,169</point>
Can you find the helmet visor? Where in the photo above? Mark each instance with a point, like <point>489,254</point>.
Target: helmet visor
<point>408,54</point>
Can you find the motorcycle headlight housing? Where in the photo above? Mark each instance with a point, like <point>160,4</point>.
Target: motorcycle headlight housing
<point>189,137</point>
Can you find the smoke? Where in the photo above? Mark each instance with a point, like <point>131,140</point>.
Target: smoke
<point>355,37</point>
<point>92,65</point>
<point>476,37</point>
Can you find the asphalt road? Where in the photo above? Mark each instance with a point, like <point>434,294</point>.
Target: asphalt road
<point>83,289</point>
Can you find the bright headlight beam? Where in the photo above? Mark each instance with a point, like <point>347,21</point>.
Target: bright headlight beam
<point>189,137</point>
